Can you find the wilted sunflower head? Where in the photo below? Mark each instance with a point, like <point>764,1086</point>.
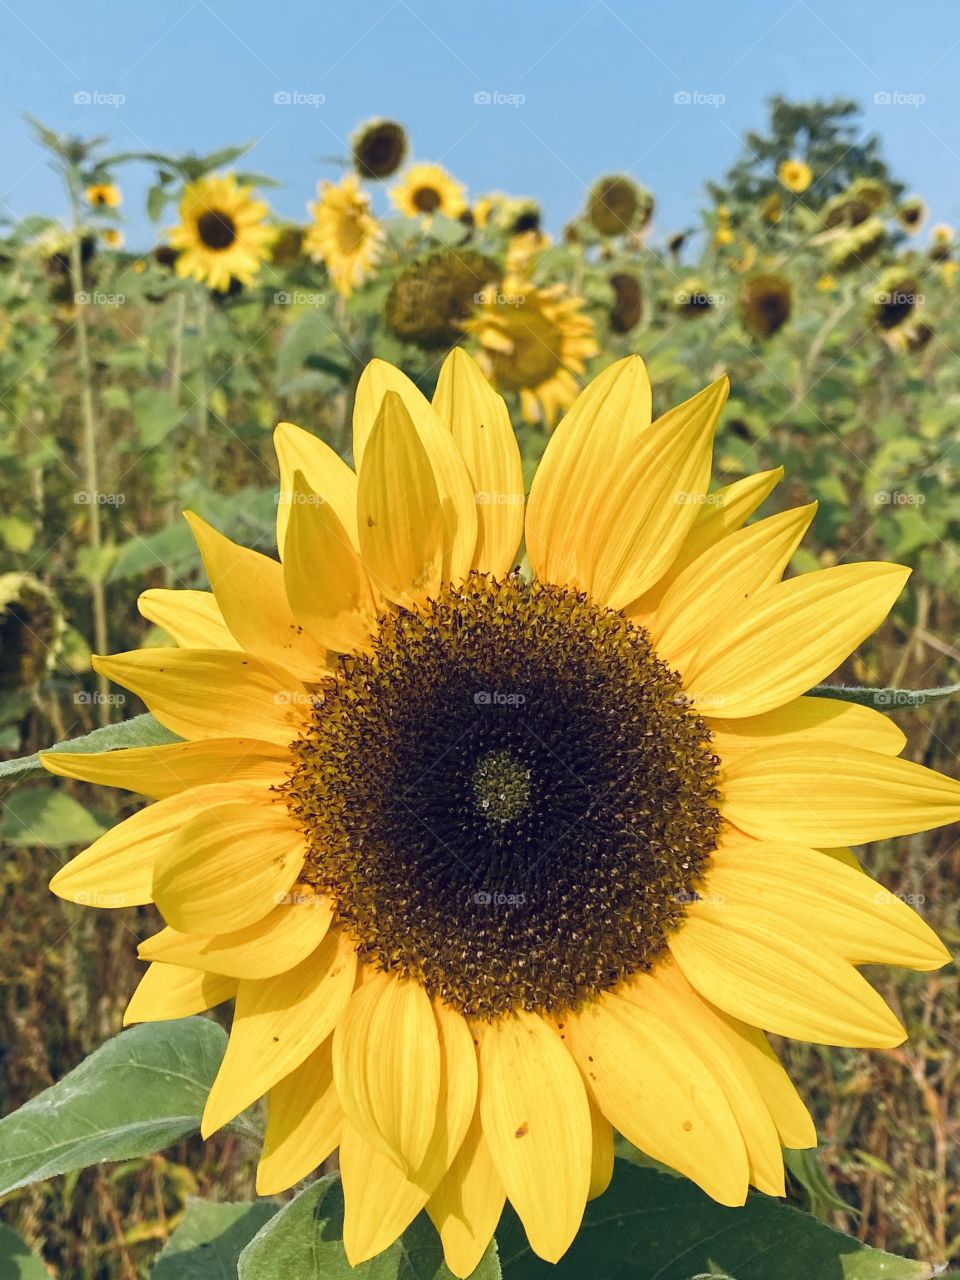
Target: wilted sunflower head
<point>895,298</point>
<point>287,244</point>
<point>857,246</point>
<point>627,309</point>
<point>31,631</point>
<point>795,175</point>
<point>379,148</point>
<point>870,192</point>
<point>430,301</point>
<point>426,189</point>
<point>912,213</point>
<point>104,195</point>
<point>764,304</point>
<point>223,233</point>
<point>534,343</point>
<point>941,242</point>
<point>344,236</point>
<point>496,864</point>
<point>616,205</point>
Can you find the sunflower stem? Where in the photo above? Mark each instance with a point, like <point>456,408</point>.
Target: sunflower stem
<point>203,383</point>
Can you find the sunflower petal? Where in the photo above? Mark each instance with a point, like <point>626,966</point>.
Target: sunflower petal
<point>601,1156</point>
<point>304,1122</point>
<point>191,618</point>
<point>466,1206</point>
<point>170,991</point>
<point>480,425</point>
<point>808,720</point>
<point>324,471</point>
<point>277,1024</point>
<point>790,1115</point>
<point>227,867</point>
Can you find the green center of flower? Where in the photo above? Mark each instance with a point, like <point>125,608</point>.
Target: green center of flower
<point>501,787</point>
<point>216,229</point>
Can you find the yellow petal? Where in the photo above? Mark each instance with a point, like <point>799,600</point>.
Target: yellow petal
<point>481,428</point>
<point>719,514</point>
<point>206,693</point>
<point>326,583</point>
<point>790,1115</point>
<point>227,867</point>
<point>386,1063</point>
<point>729,573</point>
<point>808,720</point>
<point>191,618</point>
<point>767,974</point>
<point>654,1089</point>
<point>250,592</point>
<point>277,1024</point>
<point>401,520</point>
<point>273,945</point>
<point>325,472</point>
<point>601,1158</point>
<point>117,869</point>
<point>177,766</point>
<point>787,637</point>
<point>824,794</point>
<point>170,991</point>
<point>466,1206</point>
<point>536,1121</point>
<point>450,475</point>
<point>854,915</point>
<point>304,1122</point>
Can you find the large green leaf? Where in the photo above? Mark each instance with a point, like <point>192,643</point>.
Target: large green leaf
<point>43,816</point>
<point>210,1239</point>
<point>650,1224</point>
<point>304,1242</point>
<point>17,1259</point>
<point>138,1093</point>
<point>140,731</point>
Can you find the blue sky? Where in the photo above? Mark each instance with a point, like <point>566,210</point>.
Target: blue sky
<point>586,86</point>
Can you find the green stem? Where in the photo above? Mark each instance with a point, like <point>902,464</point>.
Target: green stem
<point>203,381</point>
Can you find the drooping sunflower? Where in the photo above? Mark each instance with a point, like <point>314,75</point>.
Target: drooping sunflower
<point>31,631</point>
<point>534,342</point>
<point>764,304</point>
<point>104,195</point>
<point>852,248</point>
<point>617,205</point>
<point>345,235</point>
<point>493,866</point>
<point>223,233</point>
<point>771,208</point>
<point>430,300</point>
<point>795,175</point>
<point>693,298</point>
<point>912,213</point>
<point>426,189</point>
<point>895,298</point>
<point>941,242</point>
<point>379,148</point>
<point>627,309</point>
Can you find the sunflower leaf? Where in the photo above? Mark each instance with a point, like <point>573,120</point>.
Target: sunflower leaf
<point>17,1259</point>
<point>885,699</point>
<point>140,731</point>
<point>305,1240</point>
<point>136,1094</point>
<point>649,1224</point>
<point>210,1239</point>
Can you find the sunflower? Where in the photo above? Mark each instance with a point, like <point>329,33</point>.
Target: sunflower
<point>795,175</point>
<point>533,342</point>
<point>941,242</point>
<point>112,238</point>
<point>912,213</point>
<point>31,631</point>
<point>764,304</point>
<point>771,208</point>
<point>345,235</point>
<point>616,205</point>
<point>223,234</point>
<point>627,309</point>
<point>693,297</point>
<point>894,299</point>
<point>287,244</point>
<point>429,301</point>
<point>856,246</point>
<point>104,195</point>
<point>493,866</point>
<point>427,189</point>
<point>379,148</point>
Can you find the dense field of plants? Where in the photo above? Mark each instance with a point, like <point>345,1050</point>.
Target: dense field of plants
<point>136,384</point>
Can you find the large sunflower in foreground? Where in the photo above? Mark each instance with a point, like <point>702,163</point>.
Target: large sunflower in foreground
<point>493,866</point>
<point>345,235</point>
<point>223,234</point>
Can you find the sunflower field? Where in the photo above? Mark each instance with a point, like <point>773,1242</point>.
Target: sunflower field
<point>480,689</point>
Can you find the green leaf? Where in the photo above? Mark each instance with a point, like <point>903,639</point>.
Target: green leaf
<point>135,1095</point>
<point>885,699</point>
<point>155,413</point>
<point>17,1259</point>
<point>304,1241</point>
<point>649,1224</point>
<point>140,731</point>
<point>210,1239</point>
<point>45,816</point>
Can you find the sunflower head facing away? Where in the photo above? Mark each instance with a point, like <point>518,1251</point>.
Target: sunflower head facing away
<point>941,242</point>
<point>895,298</point>
<point>426,189</point>
<point>104,195</point>
<point>223,233</point>
<point>431,300</point>
<point>345,235</point>
<point>795,175</point>
<point>494,863</point>
<point>617,205</point>
<point>912,213</point>
<point>379,148</point>
<point>534,343</point>
<point>764,304</point>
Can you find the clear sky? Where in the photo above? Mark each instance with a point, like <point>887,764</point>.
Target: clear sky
<point>578,87</point>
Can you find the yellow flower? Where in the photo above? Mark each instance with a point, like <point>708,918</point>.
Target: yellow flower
<point>223,234</point>
<point>949,272</point>
<point>523,250</point>
<point>428,189</point>
<point>941,241</point>
<point>104,195</point>
<point>534,342</point>
<point>795,175</point>
<point>826,284</point>
<point>112,238</point>
<point>723,235</point>
<point>619,851</point>
<point>771,208</point>
<point>895,298</point>
<point>912,213</point>
<point>345,235</point>
<point>379,148</point>
<point>617,204</point>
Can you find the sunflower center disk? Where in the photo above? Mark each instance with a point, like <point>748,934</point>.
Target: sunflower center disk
<point>508,796</point>
<point>217,230</point>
